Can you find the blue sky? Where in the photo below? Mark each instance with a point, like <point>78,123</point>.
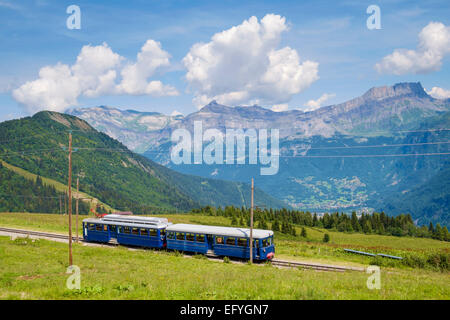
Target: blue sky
<point>33,34</point>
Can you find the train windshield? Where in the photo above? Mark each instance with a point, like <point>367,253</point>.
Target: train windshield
<point>267,241</point>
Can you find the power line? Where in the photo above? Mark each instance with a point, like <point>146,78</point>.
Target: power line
<point>379,146</point>
<point>371,155</point>
<point>27,196</point>
<point>409,131</point>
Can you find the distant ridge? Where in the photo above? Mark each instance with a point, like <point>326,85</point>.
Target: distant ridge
<point>393,115</point>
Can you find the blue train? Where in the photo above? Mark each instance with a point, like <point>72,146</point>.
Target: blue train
<point>156,232</point>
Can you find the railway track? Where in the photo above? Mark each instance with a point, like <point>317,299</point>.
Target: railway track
<point>320,267</point>
<point>37,233</point>
<point>274,262</point>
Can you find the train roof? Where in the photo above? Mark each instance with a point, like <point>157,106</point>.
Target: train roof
<point>128,221</point>
<point>118,217</point>
<point>222,231</point>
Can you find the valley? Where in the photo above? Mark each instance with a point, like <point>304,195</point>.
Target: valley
<point>361,155</point>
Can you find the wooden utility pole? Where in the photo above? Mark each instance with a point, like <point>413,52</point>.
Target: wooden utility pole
<point>251,227</point>
<point>70,198</point>
<point>76,205</point>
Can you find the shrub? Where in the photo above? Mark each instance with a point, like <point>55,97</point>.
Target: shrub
<point>326,237</point>
<point>304,234</point>
<point>439,261</point>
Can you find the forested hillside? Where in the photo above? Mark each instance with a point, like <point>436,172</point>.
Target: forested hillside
<point>18,194</point>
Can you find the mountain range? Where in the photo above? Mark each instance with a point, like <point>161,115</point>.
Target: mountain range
<point>378,151</point>
<point>109,171</point>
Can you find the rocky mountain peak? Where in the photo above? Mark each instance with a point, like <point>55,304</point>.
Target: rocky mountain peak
<point>413,89</point>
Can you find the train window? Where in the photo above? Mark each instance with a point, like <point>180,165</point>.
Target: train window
<point>267,242</point>
<point>162,232</point>
<point>242,242</point>
<point>180,236</point>
<point>135,231</point>
<point>219,240</point>
<point>231,241</point>
<point>113,228</point>
<point>190,237</point>
<point>126,230</point>
<point>153,233</point>
<point>144,232</point>
<point>256,244</point>
<point>91,226</point>
<point>98,227</point>
<point>270,241</point>
<point>105,228</point>
<point>170,235</point>
<point>200,238</point>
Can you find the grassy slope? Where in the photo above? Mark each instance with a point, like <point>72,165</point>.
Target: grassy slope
<point>37,271</point>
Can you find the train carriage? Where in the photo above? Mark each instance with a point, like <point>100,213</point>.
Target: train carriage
<point>221,241</point>
<point>137,231</point>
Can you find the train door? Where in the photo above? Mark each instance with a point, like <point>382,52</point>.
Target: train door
<point>210,240</point>
<point>113,231</point>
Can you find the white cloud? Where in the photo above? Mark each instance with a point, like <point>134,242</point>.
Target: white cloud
<point>94,73</point>
<point>242,65</point>
<point>280,107</point>
<point>316,104</point>
<point>134,76</point>
<point>439,93</point>
<point>434,44</point>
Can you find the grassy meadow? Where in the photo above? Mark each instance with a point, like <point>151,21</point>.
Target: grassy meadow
<point>36,270</point>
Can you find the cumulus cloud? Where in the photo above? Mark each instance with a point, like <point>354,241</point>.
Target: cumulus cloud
<point>315,104</point>
<point>94,73</point>
<point>242,65</point>
<point>439,93</point>
<point>134,76</point>
<point>434,44</point>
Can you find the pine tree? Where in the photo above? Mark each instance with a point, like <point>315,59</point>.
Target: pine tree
<point>303,233</point>
<point>326,237</point>
<point>276,226</point>
<point>438,232</point>
<point>293,231</point>
<point>446,234</point>
<point>284,227</point>
<point>367,227</point>
<point>315,222</point>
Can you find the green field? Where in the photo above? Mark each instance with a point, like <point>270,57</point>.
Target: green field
<point>36,270</point>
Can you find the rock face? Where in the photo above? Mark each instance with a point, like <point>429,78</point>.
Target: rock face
<point>384,109</point>
<point>128,126</point>
<point>338,157</point>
